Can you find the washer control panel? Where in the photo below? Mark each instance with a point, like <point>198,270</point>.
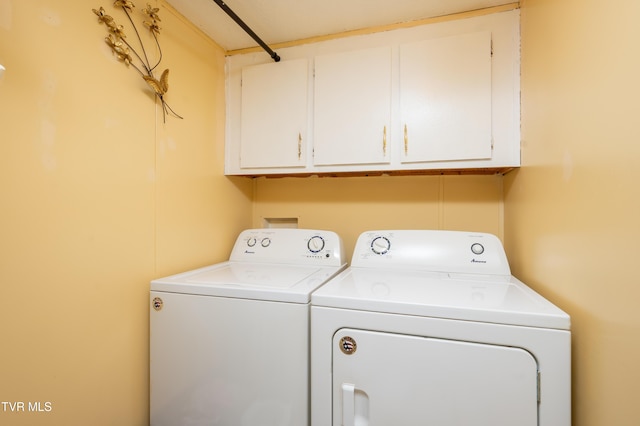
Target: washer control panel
<point>433,250</point>
<point>286,245</point>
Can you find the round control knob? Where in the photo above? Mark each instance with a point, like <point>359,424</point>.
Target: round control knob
<point>265,242</point>
<point>315,244</point>
<point>380,245</point>
<point>477,248</point>
<point>251,242</point>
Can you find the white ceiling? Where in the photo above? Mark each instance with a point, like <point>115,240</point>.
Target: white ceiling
<point>276,21</point>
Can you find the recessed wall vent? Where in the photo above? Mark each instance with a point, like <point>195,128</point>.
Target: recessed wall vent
<point>279,222</point>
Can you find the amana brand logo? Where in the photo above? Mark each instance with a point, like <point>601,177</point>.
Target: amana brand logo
<point>348,345</point>
<point>478,261</point>
<point>157,303</point>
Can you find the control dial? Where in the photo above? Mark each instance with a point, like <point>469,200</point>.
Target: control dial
<point>380,245</point>
<point>315,244</point>
<point>266,242</point>
<point>477,248</point>
<point>251,242</point>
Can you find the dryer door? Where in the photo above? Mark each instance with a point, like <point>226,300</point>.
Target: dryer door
<point>382,379</point>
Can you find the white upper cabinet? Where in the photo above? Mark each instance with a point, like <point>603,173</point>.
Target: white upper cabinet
<point>436,98</point>
<point>352,107</point>
<point>445,98</point>
<point>273,118</point>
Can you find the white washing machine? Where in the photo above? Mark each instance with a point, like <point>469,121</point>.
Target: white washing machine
<point>229,343</point>
<point>431,328</point>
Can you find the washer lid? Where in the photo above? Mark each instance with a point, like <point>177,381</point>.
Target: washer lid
<point>470,297</point>
<point>246,280</point>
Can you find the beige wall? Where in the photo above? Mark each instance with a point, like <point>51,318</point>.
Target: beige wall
<point>97,197</point>
<point>572,211</point>
<point>352,205</point>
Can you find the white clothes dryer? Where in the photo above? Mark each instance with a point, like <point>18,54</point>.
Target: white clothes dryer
<point>229,343</point>
<point>430,328</point>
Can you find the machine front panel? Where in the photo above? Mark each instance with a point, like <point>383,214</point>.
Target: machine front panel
<point>384,378</point>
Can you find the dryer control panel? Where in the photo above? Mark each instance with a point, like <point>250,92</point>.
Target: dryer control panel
<point>432,250</point>
<point>288,245</point>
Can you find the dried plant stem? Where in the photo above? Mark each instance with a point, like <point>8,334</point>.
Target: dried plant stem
<point>116,39</point>
<point>145,62</point>
<point>159,51</point>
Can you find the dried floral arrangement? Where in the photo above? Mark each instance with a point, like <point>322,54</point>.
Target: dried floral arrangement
<point>117,40</point>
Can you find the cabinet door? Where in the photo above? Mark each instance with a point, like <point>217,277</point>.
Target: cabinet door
<point>352,107</point>
<point>382,379</point>
<point>274,114</point>
<point>445,98</point>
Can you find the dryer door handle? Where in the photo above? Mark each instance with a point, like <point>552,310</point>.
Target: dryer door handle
<point>348,404</point>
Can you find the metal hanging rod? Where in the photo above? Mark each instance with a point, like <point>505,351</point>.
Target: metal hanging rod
<point>248,30</point>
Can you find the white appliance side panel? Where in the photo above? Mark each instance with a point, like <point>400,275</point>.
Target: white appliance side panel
<point>395,379</point>
<point>228,362</point>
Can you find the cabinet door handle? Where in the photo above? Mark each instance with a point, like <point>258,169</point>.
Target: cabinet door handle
<point>299,146</point>
<point>406,140</point>
<point>384,141</point>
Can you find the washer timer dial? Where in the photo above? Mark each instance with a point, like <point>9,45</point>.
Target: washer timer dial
<point>380,245</point>
<point>315,244</point>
